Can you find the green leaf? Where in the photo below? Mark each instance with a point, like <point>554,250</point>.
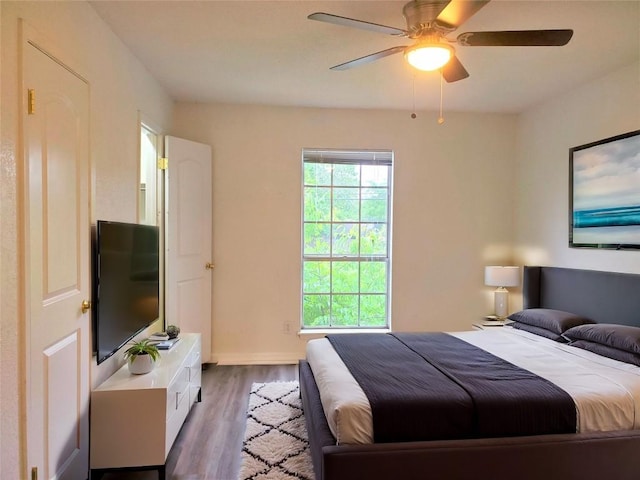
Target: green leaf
<point>317,238</point>
<point>316,277</point>
<point>373,310</point>
<point>345,277</point>
<point>142,347</point>
<point>344,311</point>
<point>316,311</point>
<point>346,175</point>
<point>373,277</point>
<point>317,174</point>
<point>317,204</point>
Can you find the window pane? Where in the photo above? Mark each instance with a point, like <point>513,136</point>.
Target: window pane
<point>373,277</point>
<point>374,204</point>
<point>344,277</point>
<point>317,174</point>
<point>317,238</point>
<point>374,239</point>
<point>317,204</point>
<point>316,277</point>
<point>345,239</point>
<point>346,204</point>
<point>315,311</point>
<point>344,311</point>
<point>373,310</point>
<point>148,193</point>
<point>346,175</point>
<point>375,175</point>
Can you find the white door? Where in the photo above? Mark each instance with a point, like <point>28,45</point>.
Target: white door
<point>188,238</point>
<point>57,267</point>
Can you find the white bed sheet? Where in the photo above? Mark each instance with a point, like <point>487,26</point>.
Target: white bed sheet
<point>606,392</point>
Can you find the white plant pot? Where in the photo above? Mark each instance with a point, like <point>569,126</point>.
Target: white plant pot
<point>141,364</point>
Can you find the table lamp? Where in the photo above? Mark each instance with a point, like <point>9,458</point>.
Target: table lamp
<point>501,277</point>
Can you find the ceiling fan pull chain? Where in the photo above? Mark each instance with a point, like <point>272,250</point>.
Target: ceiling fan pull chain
<point>441,118</point>
<point>413,114</point>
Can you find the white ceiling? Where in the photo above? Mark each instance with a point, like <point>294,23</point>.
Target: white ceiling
<point>268,52</point>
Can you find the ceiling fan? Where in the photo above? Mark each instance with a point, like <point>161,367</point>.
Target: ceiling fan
<point>428,24</point>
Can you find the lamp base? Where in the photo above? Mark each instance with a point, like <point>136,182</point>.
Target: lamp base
<point>501,300</point>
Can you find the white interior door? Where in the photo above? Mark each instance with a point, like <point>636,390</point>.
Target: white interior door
<point>57,267</point>
<point>188,238</point>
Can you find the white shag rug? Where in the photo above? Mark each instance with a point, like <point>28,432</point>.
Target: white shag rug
<point>275,445</point>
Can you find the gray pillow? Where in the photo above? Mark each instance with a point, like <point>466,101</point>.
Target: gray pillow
<point>543,332</point>
<point>622,337</point>
<point>555,321</point>
<point>606,351</point>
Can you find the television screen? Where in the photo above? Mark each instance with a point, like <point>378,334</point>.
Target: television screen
<point>125,283</point>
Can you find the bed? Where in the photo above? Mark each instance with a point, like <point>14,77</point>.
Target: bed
<point>605,297</point>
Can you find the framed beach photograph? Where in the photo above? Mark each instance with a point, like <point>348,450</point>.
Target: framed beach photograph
<point>604,197</point>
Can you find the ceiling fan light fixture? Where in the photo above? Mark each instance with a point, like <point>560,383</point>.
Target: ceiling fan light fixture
<point>429,56</point>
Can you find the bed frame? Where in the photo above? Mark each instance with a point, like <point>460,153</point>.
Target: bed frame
<point>606,297</point>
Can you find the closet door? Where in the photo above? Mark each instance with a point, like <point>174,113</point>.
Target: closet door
<point>188,235</point>
<point>57,266</point>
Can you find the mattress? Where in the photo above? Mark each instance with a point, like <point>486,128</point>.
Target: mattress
<point>606,392</point>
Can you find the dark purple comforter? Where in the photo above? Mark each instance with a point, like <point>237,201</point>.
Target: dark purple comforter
<point>433,386</point>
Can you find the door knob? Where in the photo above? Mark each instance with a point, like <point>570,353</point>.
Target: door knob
<point>86,306</point>
<point>209,266</point>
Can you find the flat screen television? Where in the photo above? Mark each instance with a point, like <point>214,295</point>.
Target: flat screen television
<point>125,283</point>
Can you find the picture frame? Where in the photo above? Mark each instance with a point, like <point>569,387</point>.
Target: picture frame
<point>604,193</point>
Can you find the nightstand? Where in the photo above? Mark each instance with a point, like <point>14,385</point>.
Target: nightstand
<point>489,322</point>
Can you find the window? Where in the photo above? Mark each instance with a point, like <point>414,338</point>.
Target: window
<point>148,211</point>
<point>346,226</point>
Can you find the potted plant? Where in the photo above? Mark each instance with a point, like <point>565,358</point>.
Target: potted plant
<point>141,356</point>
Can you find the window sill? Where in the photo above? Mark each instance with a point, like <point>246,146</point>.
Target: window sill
<point>327,331</point>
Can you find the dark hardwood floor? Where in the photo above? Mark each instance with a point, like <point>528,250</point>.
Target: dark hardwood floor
<point>208,446</point>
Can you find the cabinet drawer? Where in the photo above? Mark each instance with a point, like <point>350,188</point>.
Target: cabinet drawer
<point>194,362</point>
<point>175,421</point>
<point>195,375</point>
<point>177,391</point>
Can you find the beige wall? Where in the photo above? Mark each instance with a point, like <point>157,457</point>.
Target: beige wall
<point>465,192</point>
<point>452,214</point>
<point>119,89</point>
<point>603,108</point>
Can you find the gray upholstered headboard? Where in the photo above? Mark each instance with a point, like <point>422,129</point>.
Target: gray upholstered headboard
<point>605,297</point>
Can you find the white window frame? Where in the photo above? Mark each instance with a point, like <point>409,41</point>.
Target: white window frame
<point>351,157</point>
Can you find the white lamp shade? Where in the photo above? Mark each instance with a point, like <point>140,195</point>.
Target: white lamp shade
<point>495,276</point>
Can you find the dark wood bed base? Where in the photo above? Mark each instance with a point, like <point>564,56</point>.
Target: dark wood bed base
<point>605,297</point>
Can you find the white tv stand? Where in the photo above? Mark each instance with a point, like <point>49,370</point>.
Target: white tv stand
<point>136,418</point>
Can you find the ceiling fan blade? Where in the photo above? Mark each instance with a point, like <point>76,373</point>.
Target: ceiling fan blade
<point>458,12</point>
<point>454,71</point>
<point>521,38</point>
<point>352,22</point>
<point>368,58</point>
